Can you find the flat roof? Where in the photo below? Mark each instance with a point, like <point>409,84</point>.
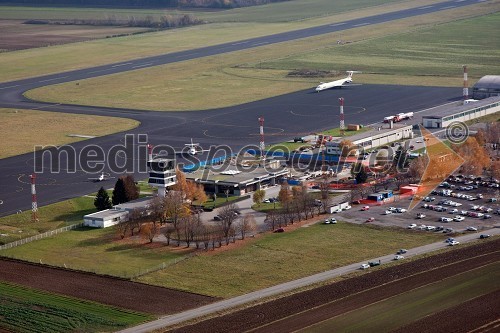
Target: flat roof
<point>106,213</point>
<point>138,203</point>
<point>229,174</point>
<point>451,109</point>
<point>374,132</point>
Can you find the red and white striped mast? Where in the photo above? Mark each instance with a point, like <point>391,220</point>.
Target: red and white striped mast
<point>34,205</point>
<point>262,145</point>
<point>150,152</point>
<point>466,84</point>
<point>342,120</point>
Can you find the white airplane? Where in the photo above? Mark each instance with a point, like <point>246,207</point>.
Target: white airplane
<point>102,177</point>
<point>194,148</point>
<point>337,83</point>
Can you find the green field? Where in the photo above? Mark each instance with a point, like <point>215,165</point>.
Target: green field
<point>277,258</point>
<point>61,214</point>
<point>36,62</point>
<point>99,251</point>
<point>424,56</point>
<point>405,308</point>
<point>19,123</point>
<point>30,310</point>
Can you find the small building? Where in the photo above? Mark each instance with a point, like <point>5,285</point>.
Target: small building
<point>487,86</point>
<point>381,196</point>
<point>459,112</point>
<point>105,218</point>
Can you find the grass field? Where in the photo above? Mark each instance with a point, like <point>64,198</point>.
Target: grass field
<point>197,84</point>
<point>405,308</point>
<point>97,250</point>
<point>30,310</point>
<point>35,62</point>
<point>17,226</point>
<point>18,123</point>
<point>276,258</point>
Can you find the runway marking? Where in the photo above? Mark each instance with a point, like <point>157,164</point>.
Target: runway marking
<point>239,43</point>
<point>56,78</point>
<point>102,70</point>
<point>361,24</point>
<point>448,7</point>
<point>10,87</point>
<point>128,63</point>
<point>260,43</point>
<point>148,64</point>
<point>337,24</point>
<point>425,7</point>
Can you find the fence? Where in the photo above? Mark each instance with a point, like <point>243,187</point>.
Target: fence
<point>39,236</point>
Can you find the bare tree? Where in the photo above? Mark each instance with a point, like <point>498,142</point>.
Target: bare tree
<point>188,225</point>
<point>246,225</point>
<point>168,231</point>
<point>176,209</point>
<point>227,218</point>
<point>135,220</point>
<point>122,229</point>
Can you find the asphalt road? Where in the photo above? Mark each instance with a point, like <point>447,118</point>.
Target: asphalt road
<point>285,116</point>
<point>288,286</point>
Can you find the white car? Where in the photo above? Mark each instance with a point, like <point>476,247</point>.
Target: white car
<point>446,219</point>
<point>400,210</point>
<point>458,218</point>
<point>420,216</point>
<point>471,229</point>
<point>412,226</point>
<point>333,220</point>
<point>347,207</point>
<point>398,257</point>
<point>387,212</point>
<point>392,209</point>
<point>453,243</point>
<point>453,211</point>
<point>364,266</point>
<point>430,228</point>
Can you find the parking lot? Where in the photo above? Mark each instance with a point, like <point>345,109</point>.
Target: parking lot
<point>455,205</point>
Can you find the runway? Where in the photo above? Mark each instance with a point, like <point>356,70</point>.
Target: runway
<point>286,116</point>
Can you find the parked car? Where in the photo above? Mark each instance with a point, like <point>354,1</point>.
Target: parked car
<point>398,257</point>
<point>374,263</point>
<point>420,216</point>
<point>402,251</point>
<point>400,210</point>
<point>387,212</point>
<point>449,240</point>
<point>430,228</point>
<point>458,218</point>
<point>371,219</point>
<point>453,243</point>
<point>483,236</point>
<point>412,226</point>
<point>453,211</point>
<point>364,266</point>
<point>487,216</point>
<point>333,220</point>
<point>446,219</point>
<point>471,229</point>
<point>365,208</point>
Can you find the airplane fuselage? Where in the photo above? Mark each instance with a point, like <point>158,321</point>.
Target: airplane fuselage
<point>333,84</point>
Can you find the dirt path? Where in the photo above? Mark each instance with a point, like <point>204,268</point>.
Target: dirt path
<point>367,287</point>
<point>107,290</point>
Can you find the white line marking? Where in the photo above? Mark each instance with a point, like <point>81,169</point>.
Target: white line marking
<point>336,24</point>
<point>361,24</point>
<point>128,63</point>
<point>142,65</point>
<point>260,43</point>
<point>448,7</point>
<point>56,78</point>
<point>10,87</point>
<point>425,7</point>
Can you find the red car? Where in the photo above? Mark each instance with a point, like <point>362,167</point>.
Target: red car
<point>365,208</point>
<point>371,219</point>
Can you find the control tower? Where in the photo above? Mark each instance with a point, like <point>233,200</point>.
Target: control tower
<point>162,174</point>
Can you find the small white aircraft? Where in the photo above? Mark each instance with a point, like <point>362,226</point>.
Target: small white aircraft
<point>337,83</point>
<point>193,149</point>
<point>102,177</point>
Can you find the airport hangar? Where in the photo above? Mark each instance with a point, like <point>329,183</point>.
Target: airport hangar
<point>448,114</point>
<point>487,86</point>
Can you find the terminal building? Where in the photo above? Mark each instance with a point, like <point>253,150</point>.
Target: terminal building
<point>487,86</point>
<point>448,114</point>
<point>236,180</point>
<point>381,135</point>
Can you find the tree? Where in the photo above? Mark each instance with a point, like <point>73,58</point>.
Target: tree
<point>481,137</point>
<point>175,209</point>
<point>401,162</point>
<point>181,185</point>
<point>495,169</point>
<point>102,201</point>
<point>227,218</point>
<point>245,225</point>
<point>135,219</point>
<point>417,167</point>
<point>196,192</point>
<point>125,190</point>
<point>347,148</point>
<point>475,156</point>
<point>361,176</point>
<point>119,194</point>
<point>285,194</point>
<point>258,196</point>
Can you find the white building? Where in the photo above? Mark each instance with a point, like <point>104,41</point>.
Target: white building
<point>105,218</point>
<point>162,174</point>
